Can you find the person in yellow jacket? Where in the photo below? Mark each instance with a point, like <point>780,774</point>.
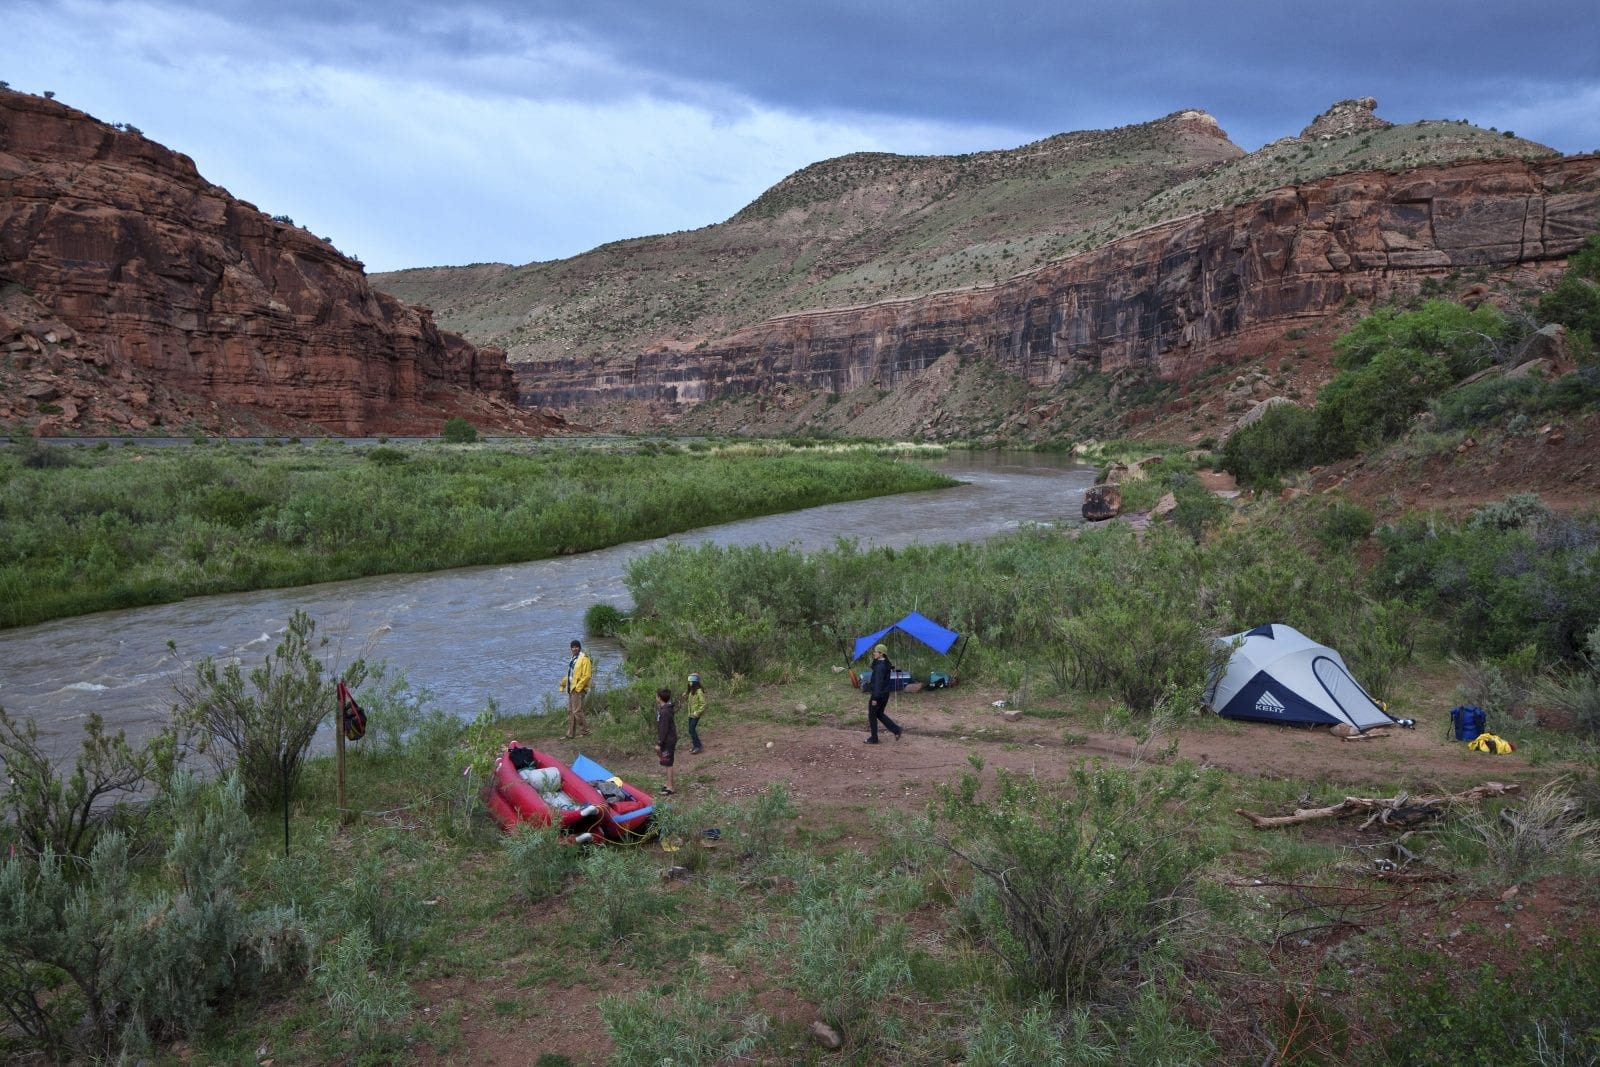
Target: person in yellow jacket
<point>575,683</point>
<point>694,698</point>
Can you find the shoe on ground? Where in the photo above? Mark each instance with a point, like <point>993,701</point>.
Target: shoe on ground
<point>898,732</point>
<point>869,740</point>
<point>696,751</point>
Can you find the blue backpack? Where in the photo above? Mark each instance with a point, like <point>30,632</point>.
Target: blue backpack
<point>1468,721</point>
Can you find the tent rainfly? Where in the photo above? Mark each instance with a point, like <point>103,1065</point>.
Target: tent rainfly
<point>921,627</point>
<point>1278,674</point>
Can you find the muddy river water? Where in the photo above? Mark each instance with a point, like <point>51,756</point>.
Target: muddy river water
<point>477,633</point>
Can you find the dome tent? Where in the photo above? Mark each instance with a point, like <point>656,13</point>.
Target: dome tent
<point>1278,674</point>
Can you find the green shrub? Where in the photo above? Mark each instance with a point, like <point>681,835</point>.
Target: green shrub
<point>1542,1011</point>
<point>1135,646</point>
<point>395,717</point>
<point>1198,508</point>
<point>388,457</point>
<point>357,995</point>
<point>689,1028</point>
<point>1544,832</point>
<point>758,826</point>
<point>731,607</point>
<point>385,902</point>
<point>1078,886</point>
<point>1392,363</point>
<point>1375,403</point>
<point>1507,578</point>
<point>1515,512</point>
<point>1156,1032</point>
<point>1499,685</point>
<point>848,955</point>
<point>458,431</point>
<point>1142,632</point>
<point>1464,338</point>
<point>604,620</point>
<point>1577,391</point>
<point>265,730</point>
<point>1378,639</point>
<point>1577,691</point>
<point>106,958</point>
<point>1485,402</point>
<point>538,862</point>
<point>231,506</point>
<point>621,891</point>
<point>1342,524</point>
<point>62,815</point>
<point>1575,303</point>
<point>1585,262</point>
<point>1006,1037</point>
<point>34,454</point>
<point>1285,438</point>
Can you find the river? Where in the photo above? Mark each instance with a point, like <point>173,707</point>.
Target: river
<point>476,633</point>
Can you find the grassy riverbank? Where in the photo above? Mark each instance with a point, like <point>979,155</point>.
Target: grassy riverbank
<point>92,528</point>
<point>1067,880</point>
<point>849,887</point>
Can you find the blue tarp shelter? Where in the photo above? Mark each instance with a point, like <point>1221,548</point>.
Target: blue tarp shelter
<point>921,627</point>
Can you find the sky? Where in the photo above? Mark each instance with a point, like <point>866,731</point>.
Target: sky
<point>436,133</point>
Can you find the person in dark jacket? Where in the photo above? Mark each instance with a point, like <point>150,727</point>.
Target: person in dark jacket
<point>878,689</point>
<point>666,733</point>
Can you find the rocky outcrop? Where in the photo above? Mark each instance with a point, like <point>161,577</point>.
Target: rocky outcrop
<point>1169,300</point>
<point>119,264</point>
<point>1102,502</point>
<point>1345,118</point>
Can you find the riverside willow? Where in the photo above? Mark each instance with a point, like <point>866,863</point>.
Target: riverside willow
<point>124,527</point>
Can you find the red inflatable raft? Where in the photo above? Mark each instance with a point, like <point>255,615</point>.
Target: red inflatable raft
<point>533,787</point>
<point>628,808</point>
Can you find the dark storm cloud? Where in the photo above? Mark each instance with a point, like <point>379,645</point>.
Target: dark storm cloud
<point>534,129</point>
<point>1263,67</point>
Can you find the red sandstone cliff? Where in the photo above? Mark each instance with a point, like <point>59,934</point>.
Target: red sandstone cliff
<point>1170,299</point>
<point>133,292</point>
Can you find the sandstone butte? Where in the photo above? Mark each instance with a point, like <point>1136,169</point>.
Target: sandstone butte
<point>134,293</point>
<point>1171,299</point>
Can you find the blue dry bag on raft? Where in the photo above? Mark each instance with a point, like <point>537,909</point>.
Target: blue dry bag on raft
<point>1468,720</point>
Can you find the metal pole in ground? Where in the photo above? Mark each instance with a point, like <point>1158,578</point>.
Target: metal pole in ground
<point>283,762</point>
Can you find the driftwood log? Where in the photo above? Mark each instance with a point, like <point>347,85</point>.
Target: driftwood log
<point>1402,809</point>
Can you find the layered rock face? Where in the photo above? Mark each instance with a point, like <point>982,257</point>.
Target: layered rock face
<point>1170,299</point>
<point>120,265</point>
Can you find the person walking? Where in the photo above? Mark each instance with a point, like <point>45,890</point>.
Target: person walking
<point>878,687</point>
<point>575,683</point>
<point>694,701</point>
<point>666,734</point>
